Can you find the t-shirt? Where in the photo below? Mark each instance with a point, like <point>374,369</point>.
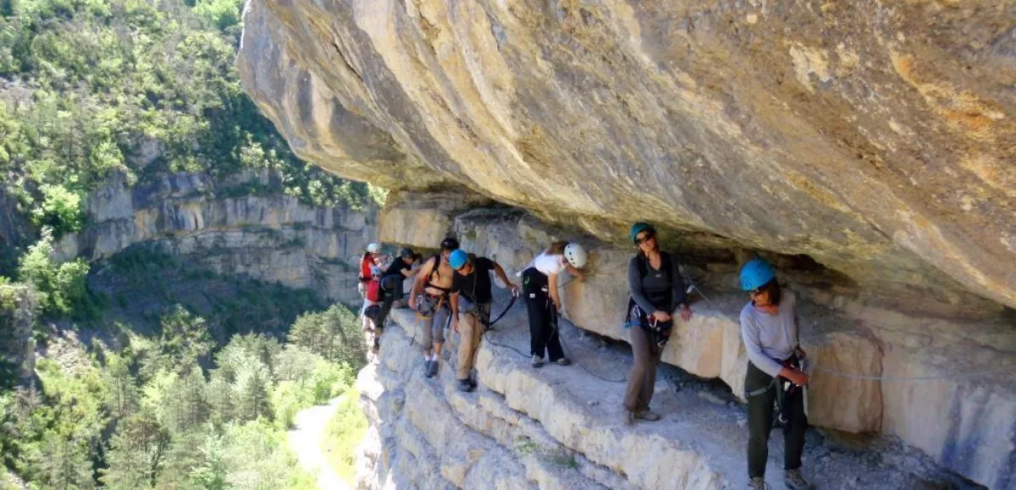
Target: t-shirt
<point>549,264</point>
<point>396,268</point>
<point>770,338</point>
<point>475,286</point>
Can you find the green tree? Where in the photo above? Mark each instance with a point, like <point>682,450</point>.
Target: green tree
<point>136,453</point>
<point>187,408</point>
<point>122,388</point>
<point>185,339</point>
<point>333,333</point>
<point>62,288</point>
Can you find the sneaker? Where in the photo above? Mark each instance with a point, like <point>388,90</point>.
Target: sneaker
<point>794,480</point>
<point>537,361</point>
<point>562,361</point>
<point>757,483</point>
<point>465,385</point>
<point>433,369</point>
<point>427,368</point>
<point>648,415</point>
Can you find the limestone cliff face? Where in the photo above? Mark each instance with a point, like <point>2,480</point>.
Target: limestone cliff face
<point>872,136</point>
<point>271,237</point>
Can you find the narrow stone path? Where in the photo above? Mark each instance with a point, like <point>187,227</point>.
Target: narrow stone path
<point>305,441</point>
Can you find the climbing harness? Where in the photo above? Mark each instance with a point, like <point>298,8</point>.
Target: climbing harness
<point>428,304</point>
<point>786,394</point>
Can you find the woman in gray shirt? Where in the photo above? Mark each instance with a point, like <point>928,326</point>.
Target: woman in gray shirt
<point>656,291</point>
<point>769,330</point>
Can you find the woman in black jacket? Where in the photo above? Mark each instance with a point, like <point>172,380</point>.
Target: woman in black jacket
<point>656,292</point>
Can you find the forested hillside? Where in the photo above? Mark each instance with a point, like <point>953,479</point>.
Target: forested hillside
<point>198,396</point>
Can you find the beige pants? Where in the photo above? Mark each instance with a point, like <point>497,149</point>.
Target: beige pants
<point>471,328</point>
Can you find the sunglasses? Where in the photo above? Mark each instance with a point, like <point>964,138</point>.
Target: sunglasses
<point>757,291</point>
<point>640,241</point>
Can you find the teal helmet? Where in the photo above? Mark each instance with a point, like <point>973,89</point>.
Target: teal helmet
<point>458,258</point>
<point>639,228</point>
<point>756,274</point>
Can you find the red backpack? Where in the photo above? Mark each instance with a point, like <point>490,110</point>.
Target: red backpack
<point>374,290</point>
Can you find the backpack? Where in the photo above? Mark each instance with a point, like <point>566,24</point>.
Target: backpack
<point>374,291</point>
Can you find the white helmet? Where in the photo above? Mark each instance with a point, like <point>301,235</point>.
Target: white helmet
<point>575,254</point>
<point>374,248</point>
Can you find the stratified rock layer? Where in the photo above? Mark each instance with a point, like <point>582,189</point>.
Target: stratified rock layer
<point>272,237</point>
<point>875,137</point>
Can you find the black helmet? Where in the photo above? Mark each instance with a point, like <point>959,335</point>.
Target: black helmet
<point>450,243</point>
<point>406,253</point>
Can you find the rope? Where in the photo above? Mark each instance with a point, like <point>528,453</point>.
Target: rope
<point>505,311</point>
<point>914,378</point>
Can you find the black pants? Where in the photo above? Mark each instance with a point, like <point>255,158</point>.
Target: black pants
<point>386,306</point>
<point>543,336</point>
<point>760,422</point>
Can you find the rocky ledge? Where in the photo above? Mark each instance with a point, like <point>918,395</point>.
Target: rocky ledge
<point>949,387</point>
<point>561,427</point>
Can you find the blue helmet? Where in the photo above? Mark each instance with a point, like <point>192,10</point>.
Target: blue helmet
<point>458,258</point>
<point>639,228</point>
<point>755,274</point>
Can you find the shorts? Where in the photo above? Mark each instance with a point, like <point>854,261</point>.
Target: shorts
<point>434,327</point>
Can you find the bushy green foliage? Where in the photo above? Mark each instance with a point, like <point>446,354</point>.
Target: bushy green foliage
<point>345,431</point>
<point>153,416</point>
<point>132,87</point>
<point>62,288</point>
<point>333,334</point>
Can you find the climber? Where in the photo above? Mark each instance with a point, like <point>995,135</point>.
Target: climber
<point>429,297</point>
<point>391,287</point>
<point>371,258</point>
<point>543,302</point>
<point>470,302</point>
<point>769,329</point>
<point>657,290</point>
<point>372,302</point>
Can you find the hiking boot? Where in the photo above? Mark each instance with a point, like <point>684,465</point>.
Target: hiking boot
<point>537,361</point>
<point>465,385</point>
<point>562,361</point>
<point>427,367</point>
<point>794,480</point>
<point>433,369</point>
<point>757,483</point>
<point>648,415</point>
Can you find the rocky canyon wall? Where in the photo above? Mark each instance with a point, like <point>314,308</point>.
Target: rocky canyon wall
<point>861,146</point>
<point>221,226</point>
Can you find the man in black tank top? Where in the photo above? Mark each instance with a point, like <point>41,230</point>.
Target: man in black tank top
<point>429,298</point>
